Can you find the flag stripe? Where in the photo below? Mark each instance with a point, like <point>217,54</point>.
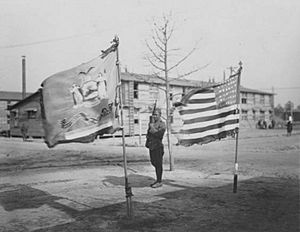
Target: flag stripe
<point>206,139</point>
<point>199,101</point>
<point>198,106</point>
<point>188,110</point>
<point>209,112</point>
<point>208,118</point>
<point>209,132</point>
<point>205,116</point>
<point>196,93</point>
<point>209,127</point>
<point>210,94</point>
<point>208,123</point>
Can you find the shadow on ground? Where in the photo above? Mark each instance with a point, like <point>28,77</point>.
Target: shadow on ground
<point>25,197</point>
<point>261,204</point>
<point>136,181</point>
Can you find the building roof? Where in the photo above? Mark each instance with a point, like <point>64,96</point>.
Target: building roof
<point>244,89</point>
<point>11,96</point>
<point>126,76</point>
<point>28,98</point>
<point>142,78</point>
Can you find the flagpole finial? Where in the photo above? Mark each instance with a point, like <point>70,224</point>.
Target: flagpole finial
<point>112,48</point>
<point>116,40</point>
<point>240,68</point>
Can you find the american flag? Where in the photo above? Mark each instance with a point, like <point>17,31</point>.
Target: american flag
<point>210,113</point>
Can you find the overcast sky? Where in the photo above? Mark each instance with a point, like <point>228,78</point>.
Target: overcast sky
<point>56,35</point>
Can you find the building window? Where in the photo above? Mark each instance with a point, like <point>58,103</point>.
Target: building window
<point>244,98</point>
<point>244,115</point>
<point>153,91</point>
<point>135,90</point>
<point>271,101</point>
<point>124,96</point>
<point>8,118</point>
<point>15,118</point>
<point>262,114</point>
<point>136,121</point>
<point>31,114</point>
<point>270,112</point>
<point>262,99</point>
<point>253,114</point>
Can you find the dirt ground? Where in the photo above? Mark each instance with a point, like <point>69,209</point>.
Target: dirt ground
<point>80,187</point>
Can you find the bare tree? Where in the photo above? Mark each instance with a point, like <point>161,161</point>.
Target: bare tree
<point>159,52</point>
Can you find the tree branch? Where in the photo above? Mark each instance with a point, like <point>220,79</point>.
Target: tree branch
<point>150,82</point>
<point>157,44</point>
<point>174,50</point>
<point>158,36</point>
<point>183,59</point>
<point>170,34</point>
<point>159,77</point>
<point>154,65</point>
<point>154,54</point>
<point>191,72</point>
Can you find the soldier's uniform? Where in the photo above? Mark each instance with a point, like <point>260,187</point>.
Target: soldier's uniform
<point>154,143</point>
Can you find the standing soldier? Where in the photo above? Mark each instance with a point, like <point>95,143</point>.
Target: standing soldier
<point>154,143</point>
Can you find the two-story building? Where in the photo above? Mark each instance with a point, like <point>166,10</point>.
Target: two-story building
<point>255,105</point>
<point>140,92</point>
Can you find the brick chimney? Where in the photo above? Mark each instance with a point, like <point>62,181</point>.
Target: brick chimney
<point>23,77</point>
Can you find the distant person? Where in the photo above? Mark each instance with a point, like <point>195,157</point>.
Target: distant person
<point>259,124</point>
<point>273,123</point>
<point>24,131</point>
<point>154,143</point>
<point>289,127</point>
<point>265,124</point>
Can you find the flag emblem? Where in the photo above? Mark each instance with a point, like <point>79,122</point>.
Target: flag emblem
<point>81,102</point>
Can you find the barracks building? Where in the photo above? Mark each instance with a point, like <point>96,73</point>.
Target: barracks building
<point>139,94</point>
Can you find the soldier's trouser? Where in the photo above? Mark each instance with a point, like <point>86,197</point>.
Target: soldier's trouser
<point>156,157</point>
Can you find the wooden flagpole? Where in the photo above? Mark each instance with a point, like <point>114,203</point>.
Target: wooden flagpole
<point>235,178</point>
<point>127,187</point>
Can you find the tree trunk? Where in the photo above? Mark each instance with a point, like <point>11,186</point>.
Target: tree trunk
<point>171,160</point>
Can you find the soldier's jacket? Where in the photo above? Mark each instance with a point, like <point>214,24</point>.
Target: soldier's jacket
<point>155,135</point>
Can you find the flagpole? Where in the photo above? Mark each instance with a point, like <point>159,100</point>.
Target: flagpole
<point>235,178</point>
<point>127,187</point>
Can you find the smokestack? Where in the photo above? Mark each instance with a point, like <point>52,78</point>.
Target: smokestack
<point>23,77</point>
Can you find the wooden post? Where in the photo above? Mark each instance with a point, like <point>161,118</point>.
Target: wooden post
<point>127,187</point>
<point>235,178</point>
<point>140,127</point>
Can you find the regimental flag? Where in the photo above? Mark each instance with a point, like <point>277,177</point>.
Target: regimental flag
<point>79,103</point>
<point>209,114</point>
